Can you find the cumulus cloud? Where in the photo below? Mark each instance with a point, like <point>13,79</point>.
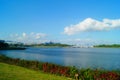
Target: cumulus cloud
<point>24,34</point>
<point>27,38</point>
<point>90,24</point>
<point>39,35</point>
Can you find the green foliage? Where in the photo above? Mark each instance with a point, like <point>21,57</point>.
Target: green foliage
<point>13,46</point>
<point>73,71</point>
<point>111,46</point>
<point>86,74</point>
<point>48,44</point>
<point>3,44</point>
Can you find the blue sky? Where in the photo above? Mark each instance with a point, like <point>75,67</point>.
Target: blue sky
<point>65,21</point>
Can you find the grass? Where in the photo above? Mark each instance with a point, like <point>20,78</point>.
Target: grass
<point>11,72</point>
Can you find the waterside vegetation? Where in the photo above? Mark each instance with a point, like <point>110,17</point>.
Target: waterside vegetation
<point>108,46</point>
<point>5,46</point>
<point>11,45</point>
<point>48,44</point>
<point>66,71</point>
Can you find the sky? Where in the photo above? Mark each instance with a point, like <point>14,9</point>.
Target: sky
<point>65,21</point>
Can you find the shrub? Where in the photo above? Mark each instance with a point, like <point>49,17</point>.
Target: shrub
<point>55,69</point>
<point>86,74</point>
<point>109,76</point>
<point>73,71</point>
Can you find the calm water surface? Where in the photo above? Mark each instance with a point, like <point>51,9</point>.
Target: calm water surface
<point>107,58</point>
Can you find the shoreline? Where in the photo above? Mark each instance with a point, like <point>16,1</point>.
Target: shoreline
<point>13,48</point>
<point>67,71</point>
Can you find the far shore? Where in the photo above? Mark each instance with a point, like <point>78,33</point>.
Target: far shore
<point>13,48</point>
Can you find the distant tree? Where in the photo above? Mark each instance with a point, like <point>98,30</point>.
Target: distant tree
<point>3,44</point>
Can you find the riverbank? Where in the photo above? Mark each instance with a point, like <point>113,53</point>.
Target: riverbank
<point>12,72</point>
<point>70,72</point>
<point>13,48</point>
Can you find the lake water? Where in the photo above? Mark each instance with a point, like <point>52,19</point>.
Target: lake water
<point>106,58</point>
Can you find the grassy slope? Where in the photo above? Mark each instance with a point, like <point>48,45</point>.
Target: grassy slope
<point>11,72</point>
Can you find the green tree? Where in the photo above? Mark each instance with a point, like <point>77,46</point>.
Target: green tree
<point>3,44</point>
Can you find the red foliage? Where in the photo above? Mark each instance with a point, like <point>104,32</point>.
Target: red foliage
<point>55,69</point>
<point>45,67</point>
<point>107,76</point>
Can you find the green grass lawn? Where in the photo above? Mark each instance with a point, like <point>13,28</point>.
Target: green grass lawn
<point>11,72</point>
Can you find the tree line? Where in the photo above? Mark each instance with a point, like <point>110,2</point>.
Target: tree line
<point>108,45</point>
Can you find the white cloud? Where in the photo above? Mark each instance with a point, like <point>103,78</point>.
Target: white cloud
<point>28,38</point>
<point>24,34</point>
<point>39,35</point>
<point>90,24</point>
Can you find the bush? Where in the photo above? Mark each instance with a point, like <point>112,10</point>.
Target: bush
<point>55,69</point>
<point>73,71</point>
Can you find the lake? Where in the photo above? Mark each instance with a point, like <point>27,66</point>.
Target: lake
<point>106,58</point>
